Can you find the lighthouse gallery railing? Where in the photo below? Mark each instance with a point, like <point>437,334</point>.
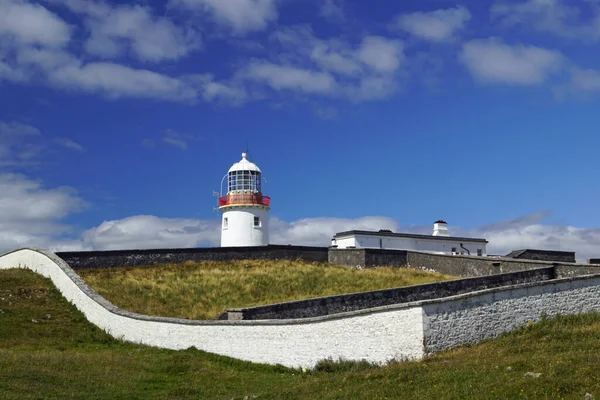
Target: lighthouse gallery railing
<point>244,198</point>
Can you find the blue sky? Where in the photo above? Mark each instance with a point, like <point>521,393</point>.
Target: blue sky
<point>117,121</point>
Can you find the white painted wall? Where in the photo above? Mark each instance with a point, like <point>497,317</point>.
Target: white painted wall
<point>345,242</point>
<point>377,336</point>
<point>432,245</point>
<point>240,229</point>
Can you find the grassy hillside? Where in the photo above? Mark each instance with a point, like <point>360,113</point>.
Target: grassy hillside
<point>202,290</point>
<point>48,350</point>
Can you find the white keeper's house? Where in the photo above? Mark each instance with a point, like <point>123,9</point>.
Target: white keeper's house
<point>440,242</point>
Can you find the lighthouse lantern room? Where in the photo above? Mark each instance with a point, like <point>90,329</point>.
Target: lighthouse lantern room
<point>244,208</point>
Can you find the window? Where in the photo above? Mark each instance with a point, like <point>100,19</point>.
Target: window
<point>225,223</point>
<point>256,221</point>
<point>479,252</point>
<point>245,180</point>
<point>454,249</point>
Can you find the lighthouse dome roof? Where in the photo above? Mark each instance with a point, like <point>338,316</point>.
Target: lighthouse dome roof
<point>244,165</point>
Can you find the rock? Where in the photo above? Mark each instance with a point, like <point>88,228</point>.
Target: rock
<point>35,321</point>
<point>533,374</point>
<point>588,396</point>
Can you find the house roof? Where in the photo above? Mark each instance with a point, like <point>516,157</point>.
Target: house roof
<point>408,235</point>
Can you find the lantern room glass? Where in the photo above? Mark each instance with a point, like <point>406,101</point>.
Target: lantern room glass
<point>244,181</point>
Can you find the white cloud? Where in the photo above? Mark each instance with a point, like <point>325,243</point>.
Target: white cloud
<point>381,54</point>
<point>436,26</point>
<point>176,139</point>
<point>281,77</point>
<point>114,80</point>
<point>241,16</point>
<point>490,60</point>
<point>115,30</point>
<point>69,144</point>
<point>11,74</point>
<point>529,232</point>
<point>366,71</point>
<point>545,16</point>
<point>335,60</point>
<point>147,231</point>
<point>218,91</point>
<point>585,80</point>
<point>31,213</point>
<point>27,23</point>
<point>19,144</point>
<point>332,10</point>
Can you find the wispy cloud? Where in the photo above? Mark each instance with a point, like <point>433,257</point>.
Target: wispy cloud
<point>331,68</point>
<point>551,16</point>
<point>20,144</point>
<point>493,61</point>
<point>32,24</point>
<point>176,139</point>
<point>117,29</point>
<point>437,26</point>
<point>332,10</point>
<point>70,144</point>
<point>31,213</point>
<point>240,16</point>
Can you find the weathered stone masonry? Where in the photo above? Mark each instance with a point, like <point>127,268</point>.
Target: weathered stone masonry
<point>136,258</point>
<point>378,298</point>
<point>457,265</point>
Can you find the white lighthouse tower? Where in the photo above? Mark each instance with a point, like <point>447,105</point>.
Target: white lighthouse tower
<point>244,208</point>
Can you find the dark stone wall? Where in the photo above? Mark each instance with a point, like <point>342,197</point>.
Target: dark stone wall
<point>358,301</point>
<point>458,265</point>
<point>565,270</point>
<point>354,258</point>
<point>136,258</point>
<point>366,258</point>
<point>547,255</point>
<point>391,258</point>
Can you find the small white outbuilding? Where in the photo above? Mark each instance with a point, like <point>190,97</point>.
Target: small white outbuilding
<point>440,242</point>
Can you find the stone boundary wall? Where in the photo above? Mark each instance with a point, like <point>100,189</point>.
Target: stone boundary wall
<point>359,301</point>
<point>478,316</point>
<point>368,258</point>
<point>458,265</point>
<point>138,258</point>
<point>400,331</point>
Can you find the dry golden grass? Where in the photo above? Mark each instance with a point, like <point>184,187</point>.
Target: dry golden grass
<point>202,290</point>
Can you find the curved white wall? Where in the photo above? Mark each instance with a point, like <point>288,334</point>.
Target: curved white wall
<point>373,335</point>
<point>407,331</point>
<point>240,229</point>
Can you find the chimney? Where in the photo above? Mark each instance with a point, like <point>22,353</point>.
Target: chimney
<point>440,228</point>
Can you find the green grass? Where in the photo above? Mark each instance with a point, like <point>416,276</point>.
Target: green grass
<point>203,290</point>
<point>63,356</point>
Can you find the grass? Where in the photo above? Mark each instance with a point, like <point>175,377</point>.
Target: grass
<point>48,350</point>
<point>203,290</point>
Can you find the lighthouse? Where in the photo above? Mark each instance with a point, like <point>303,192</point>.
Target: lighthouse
<point>244,208</point>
